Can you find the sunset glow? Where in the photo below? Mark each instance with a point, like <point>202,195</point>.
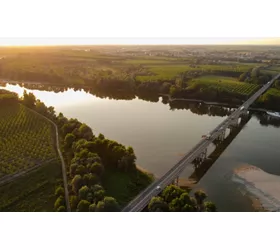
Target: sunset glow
<point>133,22</point>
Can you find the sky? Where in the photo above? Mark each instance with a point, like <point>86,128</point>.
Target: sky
<point>44,22</point>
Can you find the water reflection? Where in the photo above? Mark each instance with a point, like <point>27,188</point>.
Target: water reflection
<point>80,95</point>
<point>161,132</point>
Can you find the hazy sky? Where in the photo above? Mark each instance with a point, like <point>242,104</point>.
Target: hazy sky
<point>109,21</point>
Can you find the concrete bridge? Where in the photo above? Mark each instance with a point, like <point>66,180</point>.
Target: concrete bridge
<point>197,154</point>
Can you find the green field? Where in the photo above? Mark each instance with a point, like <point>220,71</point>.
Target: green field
<point>227,84</point>
<point>125,186</point>
<point>27,139</point>
<point>273,92</point>
<point>32,192</point>
<point>271,72</point>
<point>169,71</point>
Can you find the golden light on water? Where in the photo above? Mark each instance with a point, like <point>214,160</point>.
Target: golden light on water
<point>57,99</point>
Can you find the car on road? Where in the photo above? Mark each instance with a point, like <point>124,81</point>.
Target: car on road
<point>242,108</point>
<point>158,188</point>
<point>207,137</point>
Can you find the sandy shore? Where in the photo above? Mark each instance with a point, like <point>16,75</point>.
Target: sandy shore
<point>264,188</point>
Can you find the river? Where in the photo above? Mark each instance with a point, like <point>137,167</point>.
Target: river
<point>160,135</point>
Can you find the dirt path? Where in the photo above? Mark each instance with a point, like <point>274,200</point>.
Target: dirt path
<point>62,162</point>
<point>11,177</point>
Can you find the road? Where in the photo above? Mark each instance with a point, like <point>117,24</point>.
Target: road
<point>65,183</point>
<point>143,199</point>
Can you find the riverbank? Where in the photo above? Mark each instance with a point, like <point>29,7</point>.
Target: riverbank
<point>211,103</point>
<point>169,98</point>
<point>263,188</point>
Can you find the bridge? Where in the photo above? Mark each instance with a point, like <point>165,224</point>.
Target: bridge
<point>197,154</point>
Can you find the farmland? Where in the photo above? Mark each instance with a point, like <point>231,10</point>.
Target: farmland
<point>272,71</point>
<point>26,139</point>
<point>32,192</point>
<point>227,84</point>
<point>119,72</point>
<point>169,71</point>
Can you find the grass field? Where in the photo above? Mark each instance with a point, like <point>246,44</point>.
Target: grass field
<point>26,139</point>
<point>227,84</point>
<point>32,192</point>
<point>125,186</point>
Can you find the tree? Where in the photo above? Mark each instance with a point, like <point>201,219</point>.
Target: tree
<point>83,192</point>
<point>255,72</point>
<point>171,192</point>
<point>165,87</point>
<point>243,77</point>
<point>174,90</point>
<point>59,191</point>
<point>61,209</point>
<point>100,206</point>
<point>188,208</point>
<point>74,202</point>
<point>81,170</point>
<point>200,196</point>
<point>69,140</point>
<point>96,168</point>
<point>41,107</point>
<point>209,206</point>
<point>59,202</point>
<point>29,99</point>
<point>185,199</point>
<point>92,208</point>
<point>175,205</point>
<point>90,179</point>
<point>73,169</point>
<point>83,206</point>
<point>157,204</point>
<point>98,195</point>
<point>77,183</point>
<point>110,204</point>
<point>85,132</point>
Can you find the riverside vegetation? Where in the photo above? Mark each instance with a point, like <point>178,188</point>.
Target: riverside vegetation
<point>102,175</point>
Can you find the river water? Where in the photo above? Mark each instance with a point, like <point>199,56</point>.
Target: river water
<point>160,135</point>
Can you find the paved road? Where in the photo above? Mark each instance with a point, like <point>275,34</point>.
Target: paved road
<point>62,162</point>
<point>143,199</point>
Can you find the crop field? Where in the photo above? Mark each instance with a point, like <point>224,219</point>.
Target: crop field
<point>275,68</point>
<point>169,71</point>
<point>227,84</point>
<point>26,139</point>
<point>270,72</point>
<point>32,192</point>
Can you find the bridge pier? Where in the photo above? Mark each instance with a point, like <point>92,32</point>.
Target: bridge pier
<point>244,112</point>
<point>176,181</point>
<point>200,158</point>
<point>222,136</point>
<point>234,123</point>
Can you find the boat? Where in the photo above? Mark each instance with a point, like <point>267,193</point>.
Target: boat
<point>274,114</point>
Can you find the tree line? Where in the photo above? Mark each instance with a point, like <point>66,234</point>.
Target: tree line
<point>87,156</point>
<point>176,199</point>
